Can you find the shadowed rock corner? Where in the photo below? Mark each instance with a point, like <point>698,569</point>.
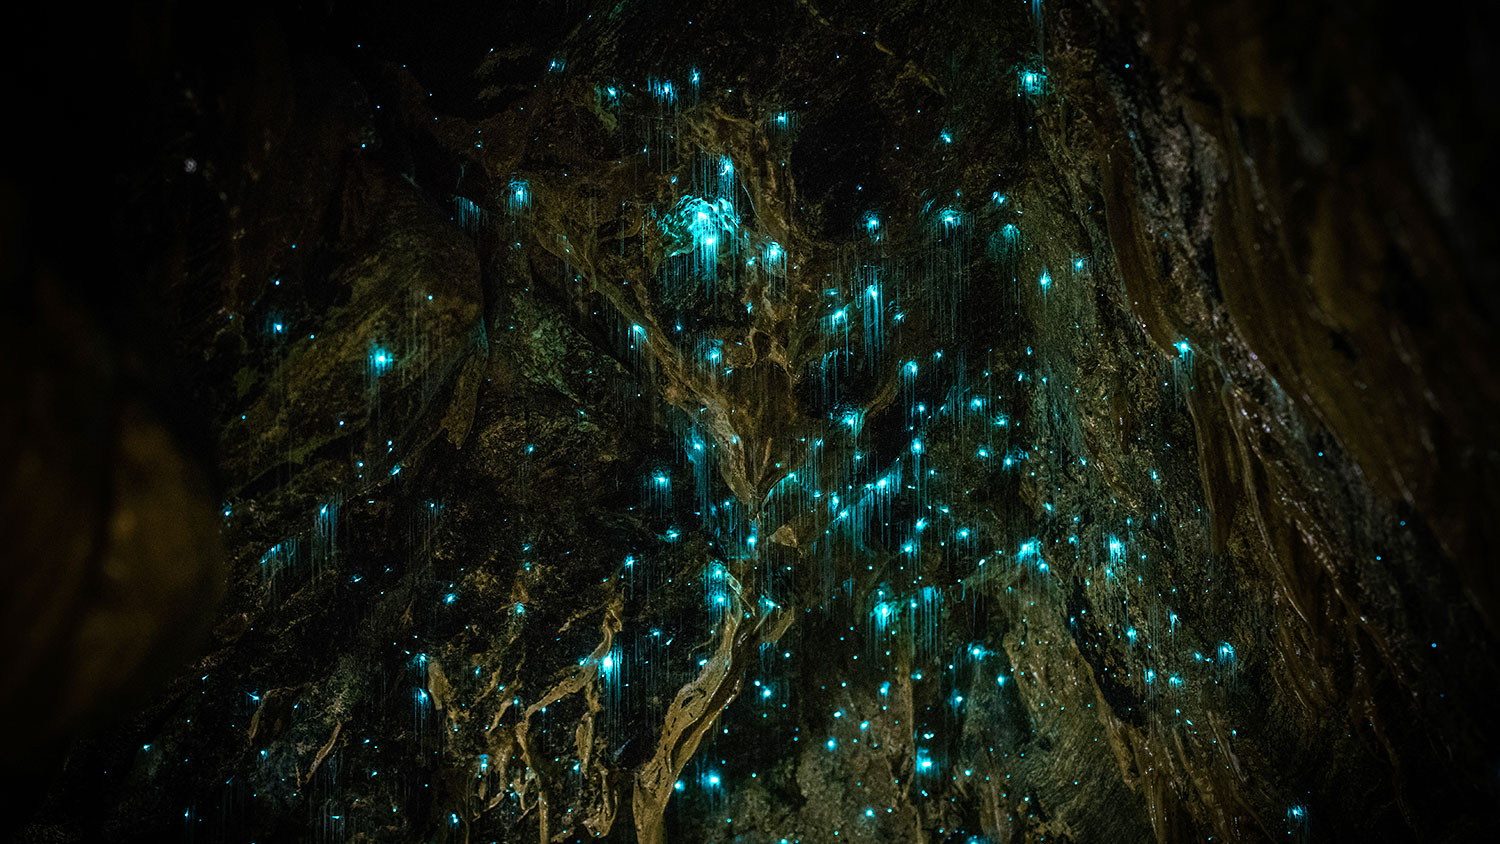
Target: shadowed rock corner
<point>112,565</point>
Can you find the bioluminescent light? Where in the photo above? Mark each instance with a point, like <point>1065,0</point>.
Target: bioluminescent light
<point>1033,82</point>
<point>1031,553</point>
<point>518,197</point>
<point>380,360</point>
<point>775,257</point>
<point>470,216</point>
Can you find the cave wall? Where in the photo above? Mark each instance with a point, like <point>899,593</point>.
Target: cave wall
<point>817,421</point>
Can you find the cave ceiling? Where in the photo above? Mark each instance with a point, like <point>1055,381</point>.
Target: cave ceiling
<point>755,422</point>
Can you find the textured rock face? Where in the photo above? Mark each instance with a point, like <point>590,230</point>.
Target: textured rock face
<point>815,422</point>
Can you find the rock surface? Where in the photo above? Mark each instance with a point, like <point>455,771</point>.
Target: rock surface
<point>792,421</point>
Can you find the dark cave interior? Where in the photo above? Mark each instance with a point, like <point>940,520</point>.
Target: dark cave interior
<point>778,421</point>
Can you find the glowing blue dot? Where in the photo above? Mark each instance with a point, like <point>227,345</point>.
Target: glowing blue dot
<point>380,360</point>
